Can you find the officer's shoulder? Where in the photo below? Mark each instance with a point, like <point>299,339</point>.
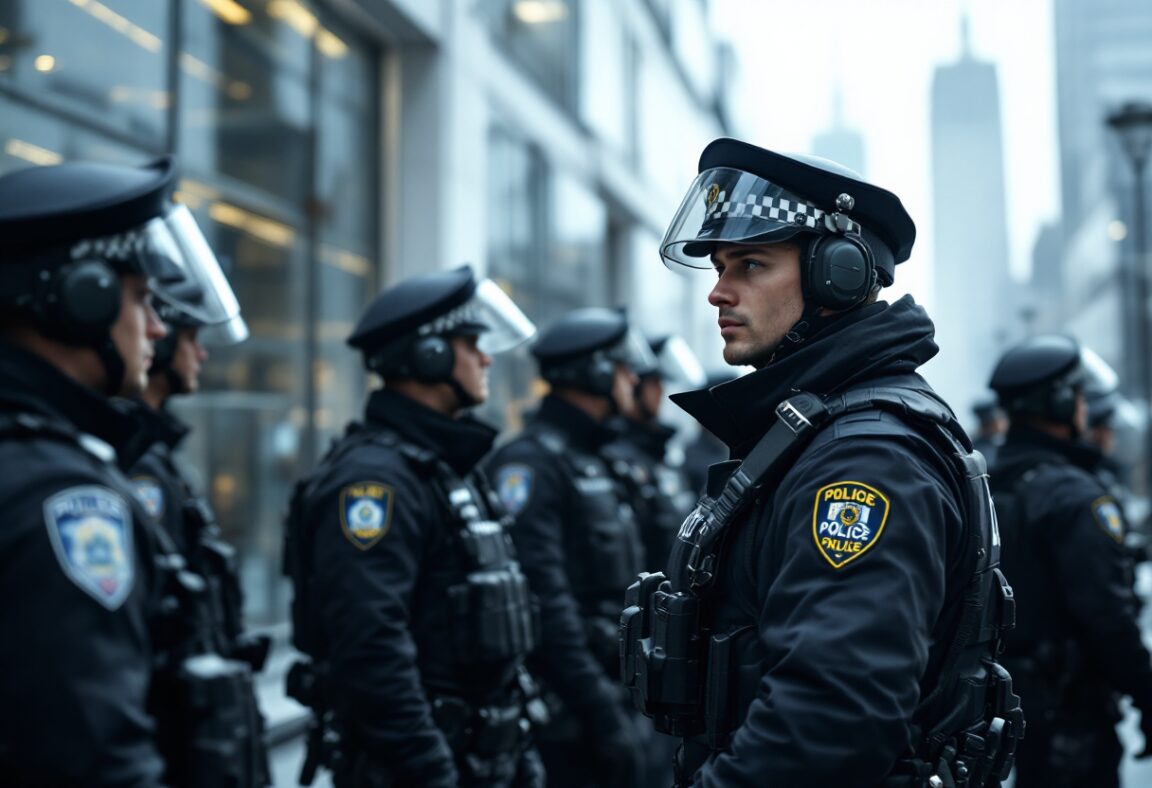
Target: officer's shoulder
<point>534,447</point>
<point>1065,481</point>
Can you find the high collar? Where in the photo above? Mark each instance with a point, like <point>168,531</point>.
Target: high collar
<point>582,430</point>
<point>876,341</point>
<point>160,426</point>
<point>651,438</point>
<point>1024,443</point>
<point>30,384</point>
<point>460,442</point>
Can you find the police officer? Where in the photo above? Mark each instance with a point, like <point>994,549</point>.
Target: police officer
<point>1077,645</point>
<point>991,426</point>
<point>660,494</point>
<point>99,611</point>
<point>408,596</point>
<point>579,541</point>
<point>829,610</point>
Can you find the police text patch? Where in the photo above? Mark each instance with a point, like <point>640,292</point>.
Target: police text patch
<point>847,520</point>
<point>90,528</point>
<point>514,486</point>
<point>366,512</point>
<point>150,494</point>
<point>1107,514</point>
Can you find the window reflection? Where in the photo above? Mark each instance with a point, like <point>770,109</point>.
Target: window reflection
<point>542,36</point>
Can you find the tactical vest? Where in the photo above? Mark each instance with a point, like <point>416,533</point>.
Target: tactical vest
<point>492,618</point>
<point>690,679</point>
<point>208,727</point>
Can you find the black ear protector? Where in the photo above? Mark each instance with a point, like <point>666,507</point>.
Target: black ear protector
<point>594,374</point>
<point>838,271</point>
<point>1061,404</point>
<point>431,359</point>
<point>81,300</point>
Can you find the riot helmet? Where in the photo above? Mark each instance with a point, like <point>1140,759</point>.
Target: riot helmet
<point>406,331</point>
<point>185,310</point>
<point>69,232</point>
<point>581,350</point>
<point>851,232</point>
<point>1041,379</point>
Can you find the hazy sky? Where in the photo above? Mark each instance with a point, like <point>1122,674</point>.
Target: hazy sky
<point>881,55</point>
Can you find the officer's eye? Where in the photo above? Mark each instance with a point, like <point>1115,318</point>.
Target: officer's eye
<point>719,269</point>
<point>750,264</point>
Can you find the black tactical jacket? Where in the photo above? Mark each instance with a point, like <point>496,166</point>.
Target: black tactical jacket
<point>841,627</point>
<point>76,577</point>
<point>1063,549</point>
<point>385,554</point>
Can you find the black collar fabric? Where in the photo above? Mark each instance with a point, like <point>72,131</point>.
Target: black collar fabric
<point>651,438</point>
<point>876,341</point>
<point>160,426</point>
<point>1025,444</point>
<point>460,442</point>
<point>581,430</point>
<point>30,384</point>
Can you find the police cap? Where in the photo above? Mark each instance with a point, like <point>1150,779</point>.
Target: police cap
<point>44,208</point>
<point>403,308</point>
<point>580,333</point>
<point>1034,363</point>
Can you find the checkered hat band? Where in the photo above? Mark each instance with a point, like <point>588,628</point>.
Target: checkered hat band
<point>467,313</point>
<point>775,209</point>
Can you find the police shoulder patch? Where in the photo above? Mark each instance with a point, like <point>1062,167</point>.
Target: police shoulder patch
<point>847,519</point>
<point>514,486</point>
<point>90,528</point>
<point>366,512</point>
<point>1107,514</point>
<point>150,494</point>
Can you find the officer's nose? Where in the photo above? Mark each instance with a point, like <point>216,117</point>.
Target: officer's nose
<point>722,293</point>
<point>154,328</point>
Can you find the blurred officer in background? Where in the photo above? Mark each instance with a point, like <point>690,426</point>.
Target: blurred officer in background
<point>207,312</point>
<point>661,495</point>
<point>579,542</point>
<point>1077,645</point>
<point>831,609</point>
<point>992,425</point>
<point>408,595</point>
<point>106,676</point>
<point>705,449</point>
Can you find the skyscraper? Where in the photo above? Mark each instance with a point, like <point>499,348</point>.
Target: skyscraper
<point>973,309</point>
<point>841,143</point>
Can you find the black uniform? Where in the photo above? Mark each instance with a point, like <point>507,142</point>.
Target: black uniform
<point>77,582</point>
<point>661,495</point>
<point>836,594</point>
<point>1077,645</point>
<point>580,546</point>
<point>412,604</point>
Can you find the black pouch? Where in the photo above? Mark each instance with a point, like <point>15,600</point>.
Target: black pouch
<point>726,695</point>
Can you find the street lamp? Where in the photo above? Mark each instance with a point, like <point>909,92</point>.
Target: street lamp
<point>1132,123</point>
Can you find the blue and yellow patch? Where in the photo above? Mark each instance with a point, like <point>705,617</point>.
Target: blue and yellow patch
<point>514,486</point>
<point>90,528</point>
<point>366,512</point>
<point>150,494</point>
<point>1108,516</point>
<point>847,519</point>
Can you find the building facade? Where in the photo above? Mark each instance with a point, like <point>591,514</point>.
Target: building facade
<point>331,147</point>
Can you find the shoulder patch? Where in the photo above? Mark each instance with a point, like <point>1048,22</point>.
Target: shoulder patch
<point>847,519</point>
<point>1107,514</point>
<point>514,486</point>
<point>366,512</point>
<point>150,494</point>
<point>90,528</point>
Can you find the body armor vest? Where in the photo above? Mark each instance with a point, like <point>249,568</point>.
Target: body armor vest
<point>685,670</point>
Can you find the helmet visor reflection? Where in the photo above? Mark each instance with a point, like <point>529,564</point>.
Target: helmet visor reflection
<point>489,314</point>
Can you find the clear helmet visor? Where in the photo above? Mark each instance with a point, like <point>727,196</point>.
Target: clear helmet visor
<point>490,315</point>
<point>632,351</point>
<point>726,205</point>
<point>1098,376</point>
<point>180,261</point>
<point>679,367</point>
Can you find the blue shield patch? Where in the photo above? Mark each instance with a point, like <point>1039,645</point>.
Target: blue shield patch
<point>366,512</point>
<point>847,519</point>
<point>1109,517</point>
<point>514,486</point>
<point>150,494</point>
<point>90,528</point>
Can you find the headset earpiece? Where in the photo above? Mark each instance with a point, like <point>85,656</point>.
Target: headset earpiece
<point>432,359</point>
<point>1062,403</point>
<point>838,272</point>
<point>81,299</point>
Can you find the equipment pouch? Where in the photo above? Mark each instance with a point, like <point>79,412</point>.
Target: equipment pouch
<point>493,619</point>
<point>725,697</point>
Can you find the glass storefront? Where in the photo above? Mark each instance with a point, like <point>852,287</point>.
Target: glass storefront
<point>272,108</point>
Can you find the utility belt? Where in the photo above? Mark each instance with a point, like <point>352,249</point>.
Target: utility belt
<point>484,738</point>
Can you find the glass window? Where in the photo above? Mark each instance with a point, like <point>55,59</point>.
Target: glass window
<point>58,51</point>
<point>542,36</point>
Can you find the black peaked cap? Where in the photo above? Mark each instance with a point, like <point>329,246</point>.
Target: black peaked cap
<point>579,333</point>
<point>404,307</point>
<point>820,181</point>
<point>1034,362</point>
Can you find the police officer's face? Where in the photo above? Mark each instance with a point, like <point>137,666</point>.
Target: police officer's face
<point>136,328</point>
<point>623,388</point>
<point>758,296</point>
<point>188,358</point>
<point>471,369</point>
